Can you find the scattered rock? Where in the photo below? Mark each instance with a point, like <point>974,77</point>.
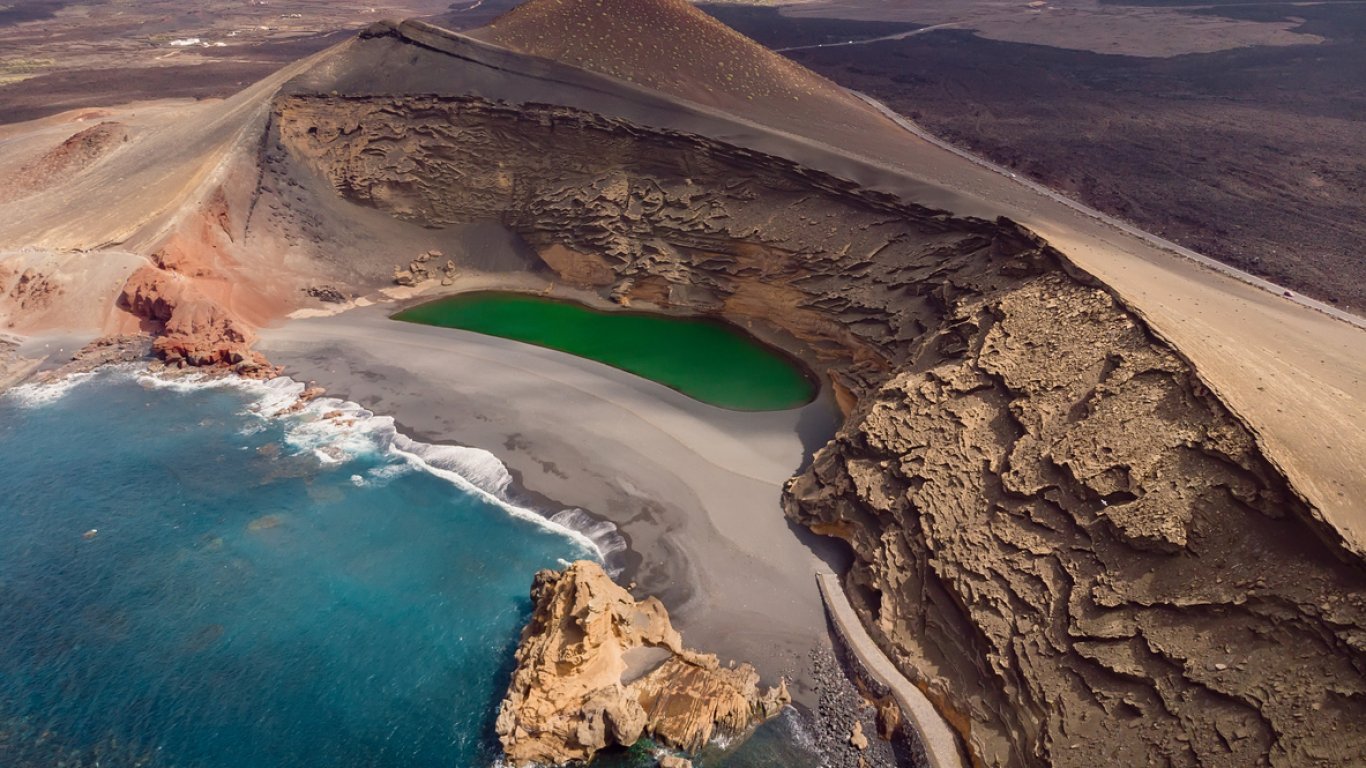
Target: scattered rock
<point>856,738</point>
<point>888,718</point>
<point>265,523</point>
<point>328,294</point>
<point>34,291</point>
<point>841,704</point>
<point>311,392</point>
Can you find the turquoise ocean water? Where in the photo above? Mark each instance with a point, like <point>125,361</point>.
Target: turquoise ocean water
<point>185,581</point>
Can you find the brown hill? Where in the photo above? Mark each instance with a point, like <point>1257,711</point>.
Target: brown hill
<point>66,159</point>
<point>672,47</point>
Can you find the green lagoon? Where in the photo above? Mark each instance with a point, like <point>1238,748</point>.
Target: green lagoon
<point>707,360</point>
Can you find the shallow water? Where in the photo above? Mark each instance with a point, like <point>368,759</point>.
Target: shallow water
<point>186,583</point>
<point>704,359</point>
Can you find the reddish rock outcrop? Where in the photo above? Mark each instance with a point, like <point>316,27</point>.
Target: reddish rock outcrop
<point>203,294</point>
<point>33,291</point>
<point>191,329</point>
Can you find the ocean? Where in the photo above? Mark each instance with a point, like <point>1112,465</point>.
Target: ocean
<point>189,579</point>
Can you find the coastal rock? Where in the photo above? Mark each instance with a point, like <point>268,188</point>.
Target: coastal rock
<point>191,328</point>
<point>596,667</point>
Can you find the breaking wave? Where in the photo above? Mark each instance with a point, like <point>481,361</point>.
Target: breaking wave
<point>39,394</point>
<point>605,537</point>
<point>337,431</point>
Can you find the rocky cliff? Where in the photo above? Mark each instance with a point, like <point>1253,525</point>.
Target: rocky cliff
<point>1077,550</point>
<point>596,668</point>
<point>664,217</point>
<point>1081,555</point>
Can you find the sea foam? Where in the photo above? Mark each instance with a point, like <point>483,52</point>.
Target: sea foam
<point>337,431</point>
<point>39,394</point>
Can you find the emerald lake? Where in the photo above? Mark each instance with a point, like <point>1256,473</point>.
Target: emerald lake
<point>704,359</point>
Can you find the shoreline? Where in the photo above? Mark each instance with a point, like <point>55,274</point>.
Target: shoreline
<point>694,490</point>
<point>285,397</point>
<point>733,581</point>
<point>282,398</point>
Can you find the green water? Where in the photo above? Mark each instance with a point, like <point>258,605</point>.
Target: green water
<point>704,359</point>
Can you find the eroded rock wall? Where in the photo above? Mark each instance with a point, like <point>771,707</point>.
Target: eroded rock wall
<point>1071,544</point>
<point>1074,547</point>
<point>670,218</point>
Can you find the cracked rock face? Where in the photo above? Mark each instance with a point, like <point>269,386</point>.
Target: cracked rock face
<point>663,217</point>
<point>597,668</point>
<point>1076,549</point>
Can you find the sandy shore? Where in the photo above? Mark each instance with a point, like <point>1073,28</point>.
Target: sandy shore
<point>22,357</point>
<point>694,488</point>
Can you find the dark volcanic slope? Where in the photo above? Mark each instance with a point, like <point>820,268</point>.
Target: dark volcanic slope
<point>674,48</point>
<point>1253,156</point>
<point>1059,531</point>
<point>667,45</point>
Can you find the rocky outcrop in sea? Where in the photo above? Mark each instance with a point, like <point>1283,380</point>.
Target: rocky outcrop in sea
<point>597,668</point>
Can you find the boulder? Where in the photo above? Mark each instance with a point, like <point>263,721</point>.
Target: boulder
<point>597,668</point>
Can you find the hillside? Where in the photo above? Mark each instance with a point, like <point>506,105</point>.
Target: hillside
<point>672,47</point>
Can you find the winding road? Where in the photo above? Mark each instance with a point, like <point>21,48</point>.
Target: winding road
<point>867,41</point>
